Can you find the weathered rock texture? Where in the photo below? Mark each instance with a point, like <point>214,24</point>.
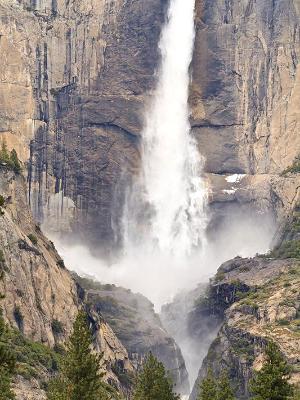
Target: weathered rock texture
<point>79,74</point>
<point>73,86</point>
<point>39,291</point>
<point>137,326</point>
<point>245,100</point>
<point>258,300</point>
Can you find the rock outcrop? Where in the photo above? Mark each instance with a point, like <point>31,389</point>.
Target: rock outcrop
<point>258,300</point>
<point>137,326</point>
<point>79,74</point>
<point>244,99</point>
<point>41,297</point>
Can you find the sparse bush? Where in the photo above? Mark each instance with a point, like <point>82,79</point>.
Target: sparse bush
<point>289,249</point>
<point>9,159</point>
<point>33,239</point>
<point>293,169</point>
<point>283,322</point>
<point>2,201</point>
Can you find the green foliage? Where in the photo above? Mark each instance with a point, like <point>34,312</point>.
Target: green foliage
<point>293,169</point>
<point>79,377</point>
<point>7,362</point>
<point>224,389</point>
<point>289,249</point>
<point>153,382</point>
<point>2,201</point>
<point>10,159</point>
<point>33,239</point>
<point>15,161</point>
<point>213,389</point>
<point>272,381</point>
<point>208,387</point>
<point>283,322</point>
<point>32,358</point>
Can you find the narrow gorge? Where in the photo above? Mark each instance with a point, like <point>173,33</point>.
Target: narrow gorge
<point>149,174</point>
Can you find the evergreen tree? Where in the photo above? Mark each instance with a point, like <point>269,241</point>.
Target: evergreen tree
<point>79,377</point>
<point>153,382</point>
<point>7,361</point>
<point>272,381</point>
<point>224,389</point>
<point>4,154</point>
<point>212,389</point>
<point>15,163</point>
<point>208,387</point>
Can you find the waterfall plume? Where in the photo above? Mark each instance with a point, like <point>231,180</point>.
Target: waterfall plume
<point>170,186</point>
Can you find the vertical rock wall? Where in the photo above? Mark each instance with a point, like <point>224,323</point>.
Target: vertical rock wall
<point>245,100</point>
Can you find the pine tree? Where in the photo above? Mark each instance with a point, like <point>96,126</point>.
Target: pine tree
<point>153,382</point>
<point>212,389</point>
<point>208,387</point>
<point>7,361</point>
<point>224,389</point>
<point>4,154</point>
<point>272,381</point>
<point>79,377</point>
<point>15,163</point>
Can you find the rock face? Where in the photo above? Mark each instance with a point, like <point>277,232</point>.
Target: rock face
<point>138,327</point>
<point>244,99</point>
<point>258,300</point>
<point>40,293</point>
<point>81,74</point>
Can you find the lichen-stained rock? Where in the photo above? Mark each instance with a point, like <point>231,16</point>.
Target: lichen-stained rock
<point>259,301</point>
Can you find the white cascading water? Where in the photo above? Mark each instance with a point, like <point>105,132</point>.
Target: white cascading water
<point>172,166</point>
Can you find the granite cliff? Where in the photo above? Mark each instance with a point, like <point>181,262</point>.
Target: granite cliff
<point>81,74</point>
<point>41,297</point>
<point>74,82</point>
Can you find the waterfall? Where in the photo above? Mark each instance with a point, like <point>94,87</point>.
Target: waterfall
<point>171,182</point>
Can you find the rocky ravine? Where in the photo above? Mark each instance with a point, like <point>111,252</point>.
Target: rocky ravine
<point>258,300</point>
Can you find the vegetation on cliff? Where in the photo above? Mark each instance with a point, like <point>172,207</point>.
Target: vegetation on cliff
<point>79,371</point>
<point>272,381</point>
<point>153,383</point>
<point>216,389</point>
<point>9,159</point>
<point>294,168</point>
<point>7,361</point>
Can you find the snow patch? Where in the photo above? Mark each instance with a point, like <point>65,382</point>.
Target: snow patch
<point>235,178</point>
